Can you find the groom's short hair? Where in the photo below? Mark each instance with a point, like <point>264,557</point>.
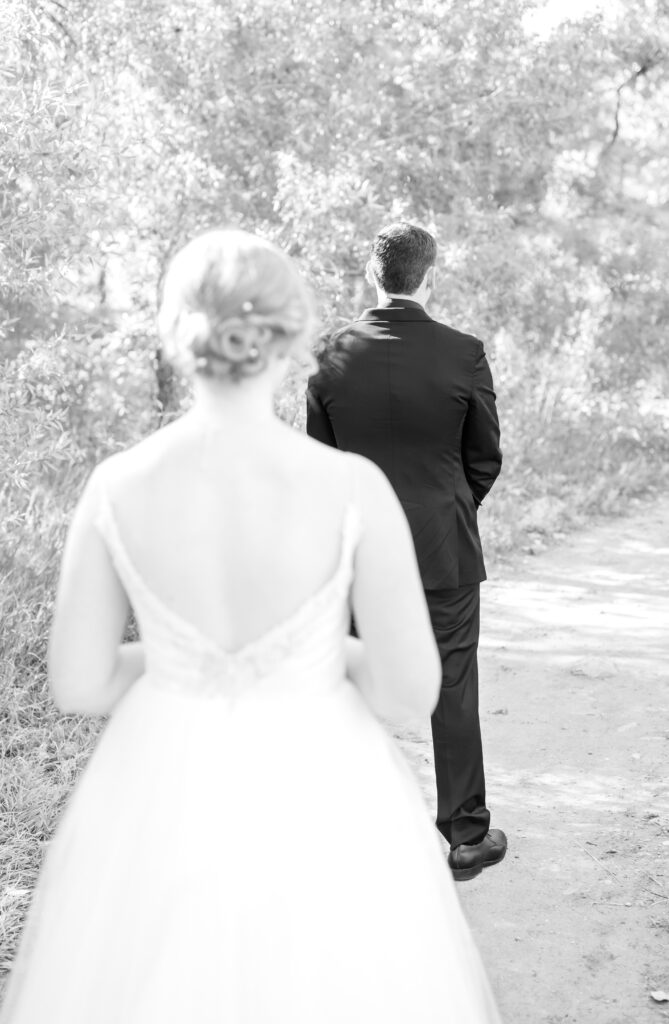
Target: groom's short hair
<point>402,254</point>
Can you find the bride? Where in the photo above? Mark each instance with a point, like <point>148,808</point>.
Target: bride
<point>247,845</point>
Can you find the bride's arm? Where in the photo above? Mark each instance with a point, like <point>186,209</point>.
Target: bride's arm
<point>397,666</point>
<point>89,667</point>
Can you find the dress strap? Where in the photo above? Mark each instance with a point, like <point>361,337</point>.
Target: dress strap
<point>103,520</point>
<point>352,525</point>
<point>353,478</point>
<point>105,523</point>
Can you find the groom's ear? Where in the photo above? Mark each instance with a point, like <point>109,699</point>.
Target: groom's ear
<point>369,274</point>
<point>429,278</point>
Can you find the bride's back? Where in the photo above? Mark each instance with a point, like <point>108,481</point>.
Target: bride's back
<point>232,531</point>
<point>229,518</point>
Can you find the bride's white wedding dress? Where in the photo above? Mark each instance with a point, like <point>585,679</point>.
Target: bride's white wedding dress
<point>246,846</point>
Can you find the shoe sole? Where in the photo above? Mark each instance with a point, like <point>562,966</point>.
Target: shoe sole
<point>464,874</point>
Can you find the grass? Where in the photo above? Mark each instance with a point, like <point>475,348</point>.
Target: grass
<point>41,751</point>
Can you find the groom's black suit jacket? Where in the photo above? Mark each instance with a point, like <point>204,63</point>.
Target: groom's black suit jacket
<point>416,397</point>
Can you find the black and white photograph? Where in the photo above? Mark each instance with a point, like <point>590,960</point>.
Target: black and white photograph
<point>334,512</point>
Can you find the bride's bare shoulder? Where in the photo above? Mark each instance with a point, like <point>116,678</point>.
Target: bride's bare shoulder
<point>123,468</point>
<point>325,459</point>
<point>364,476</point>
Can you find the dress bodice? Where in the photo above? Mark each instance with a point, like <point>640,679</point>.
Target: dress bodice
<point>306,648</point>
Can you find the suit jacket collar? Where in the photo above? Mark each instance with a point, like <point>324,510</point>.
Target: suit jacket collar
<point>396,309</point>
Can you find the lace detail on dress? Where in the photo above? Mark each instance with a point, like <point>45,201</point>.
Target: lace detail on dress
<point>181,658</point>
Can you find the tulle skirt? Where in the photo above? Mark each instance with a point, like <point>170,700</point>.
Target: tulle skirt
<point>265,860</point>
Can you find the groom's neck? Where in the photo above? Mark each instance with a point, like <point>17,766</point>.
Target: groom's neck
<point>384,298</point>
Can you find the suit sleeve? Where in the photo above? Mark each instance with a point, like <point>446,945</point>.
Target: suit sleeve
<point>481,453</point>
<point>318,422</point>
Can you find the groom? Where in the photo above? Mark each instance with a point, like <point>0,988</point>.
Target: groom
<point>416,397</point>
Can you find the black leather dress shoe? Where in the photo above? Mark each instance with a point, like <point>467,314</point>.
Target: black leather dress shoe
<point>469,861</point>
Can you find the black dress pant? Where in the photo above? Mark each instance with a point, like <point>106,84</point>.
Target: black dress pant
<point>462,815</point>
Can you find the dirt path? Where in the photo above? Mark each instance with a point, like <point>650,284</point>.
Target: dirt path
<point>574,925</point>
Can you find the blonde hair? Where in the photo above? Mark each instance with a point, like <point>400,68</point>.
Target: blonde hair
<point>228,297</point>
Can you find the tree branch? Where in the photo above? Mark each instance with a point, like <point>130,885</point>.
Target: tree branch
<point>59,25</point>
<point>630,82</point>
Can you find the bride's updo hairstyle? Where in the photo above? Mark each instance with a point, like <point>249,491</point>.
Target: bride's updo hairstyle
<point>229,299</point>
